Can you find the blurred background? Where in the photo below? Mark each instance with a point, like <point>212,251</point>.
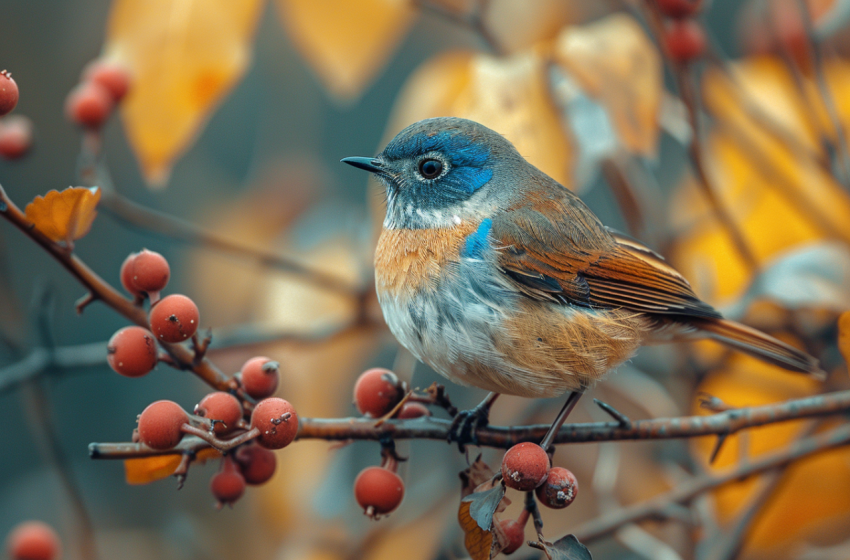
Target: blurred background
<point>237,116</point>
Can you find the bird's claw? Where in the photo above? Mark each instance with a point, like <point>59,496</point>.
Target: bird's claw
<point>465,425</point>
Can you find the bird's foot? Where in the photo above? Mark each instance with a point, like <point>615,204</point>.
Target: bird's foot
<point>465,425</point>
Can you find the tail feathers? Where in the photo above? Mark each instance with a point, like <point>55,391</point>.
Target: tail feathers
<point>760,345</point>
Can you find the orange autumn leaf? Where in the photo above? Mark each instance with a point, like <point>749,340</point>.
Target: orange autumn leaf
<point>345,42</point>
<point>813,500</point>
<point>145,470</point>
<point>64,215</point>
<point>616,63</point>
<point>477,541</point>
<point>184,57</point>
<point>510,95</point>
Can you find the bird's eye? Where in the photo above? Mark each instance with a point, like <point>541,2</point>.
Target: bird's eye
<point>430,168</point>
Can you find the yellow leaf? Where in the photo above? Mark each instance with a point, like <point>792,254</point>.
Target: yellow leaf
<point>510,95</point>
<point>66,215</point>
<point>813,500</point>
<point>184,57</point>
<point>477,541</point>
<point>615,62</point>
<point>346,42</point>
<point>145,470</point>
<point>773,189</point>
<point>844,336</point>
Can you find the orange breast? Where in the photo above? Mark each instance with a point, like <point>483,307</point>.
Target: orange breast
<point>407,260</point>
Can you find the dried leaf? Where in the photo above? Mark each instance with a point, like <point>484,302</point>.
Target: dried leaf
<point>483,505</point>
<point>474,476</point>
<point>615,63</point>
<point>145,470</point>
<point>477,541</point>
<point>184,58</point>
<point>566,548</point>
<point>511,95</point>
<point>346,42</point>
<point>64,215</point>
<point>844,336</point>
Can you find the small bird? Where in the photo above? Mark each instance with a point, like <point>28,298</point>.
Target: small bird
<point>496,276</point>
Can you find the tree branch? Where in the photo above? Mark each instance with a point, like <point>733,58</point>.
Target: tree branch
<point>504,437</point>
<point>687,491</point>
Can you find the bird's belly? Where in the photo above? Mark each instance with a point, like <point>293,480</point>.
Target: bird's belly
<point>484,335</point>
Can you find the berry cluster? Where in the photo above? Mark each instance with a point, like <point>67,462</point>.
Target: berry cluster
<point>379,393</point>
<point>527,467</point>
<point>132,351</point>
<point>232,422</point>
<point>33,540</point>
<point>103,84</point>
<point>16,130</point>
<point>684,37</point>
<point>225,422</point>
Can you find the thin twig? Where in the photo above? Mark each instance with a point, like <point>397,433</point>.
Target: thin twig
<point>826,95</point>
<point>684,77</point>
<point>687,491</point>
<point>151,220</point>
<point>504,437</point>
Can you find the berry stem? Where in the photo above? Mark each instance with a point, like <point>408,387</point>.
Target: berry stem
<point>219,444</point>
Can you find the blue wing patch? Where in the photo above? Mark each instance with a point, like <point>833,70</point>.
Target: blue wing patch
<point>477,242</point>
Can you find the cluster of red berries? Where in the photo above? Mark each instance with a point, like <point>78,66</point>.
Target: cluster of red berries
<point>16,130</point>
<point>684,37</point>
<point>221,417</point>
<point>378,393</point>
<point>132,351</point>
<point>103,84</point>
<point>33,540</point>
<point>526,467</point>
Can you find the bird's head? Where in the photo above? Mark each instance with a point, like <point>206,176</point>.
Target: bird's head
<point>439,171</point>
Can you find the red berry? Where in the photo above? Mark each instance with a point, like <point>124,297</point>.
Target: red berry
<point>222,407</point>
<point>260,376</point>
<point>89,105</point>
<point>685,40</point>
<point>378,491</point>
<point>227,485</point>
<point>524,466</point>
<point>257,463</point>
<point>174,318</point>
<point>150,272</point>
<point>411,410</point>
<point>15,136</point>
<point>376,392</point>
<point>8,93</point>
<point>110,74</point>
<point>33,540</point>
<point>559,489</point>
<point>132,351</point>
<point>678,8</point>
<point>515,533</point>
<point>127,275</point>
<point>160,424</point>
<point>277,421</point>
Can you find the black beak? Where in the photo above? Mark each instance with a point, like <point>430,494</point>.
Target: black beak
<point>372,165</point>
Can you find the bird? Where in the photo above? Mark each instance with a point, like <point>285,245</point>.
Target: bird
<point>498,277</point>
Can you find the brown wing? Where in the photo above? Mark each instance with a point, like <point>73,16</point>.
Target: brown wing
<point>556,249</point>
